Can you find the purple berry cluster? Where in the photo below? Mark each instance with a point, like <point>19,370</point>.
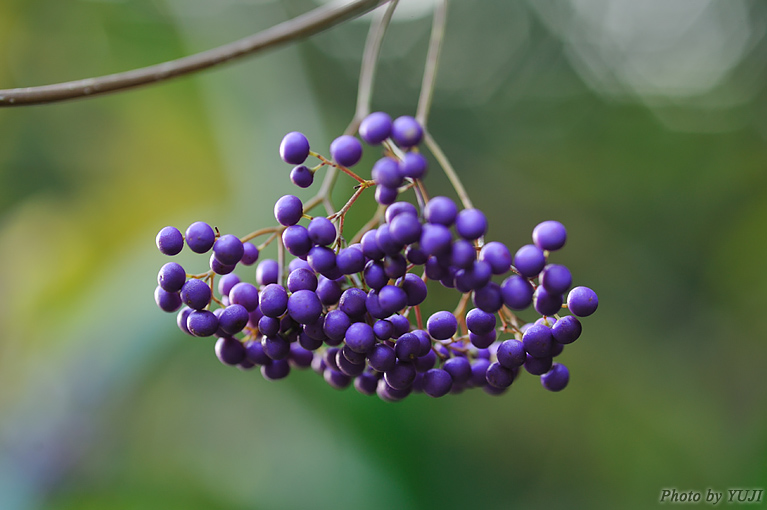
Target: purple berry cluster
<point>354,311</point>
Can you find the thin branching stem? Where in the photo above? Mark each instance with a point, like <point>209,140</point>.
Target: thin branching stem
<point>300,27</point>
<point>432,62</point>
<point>448,169</point>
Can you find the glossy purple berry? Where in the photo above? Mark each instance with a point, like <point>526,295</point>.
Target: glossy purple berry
<point>322,232</point>
<point>202,323</point>
<point>230,351</point>
<point>546,303</point>
<point>301,176</point>
<point>250,254</point>
<point>304,306</point>
<point>537,340</point>
<point>375,128</point>
<point>471,224</point>
<point>233,319</point>
<point>196,294</point>
<point>386,172</point>
<point>557,378</point>
<point>167,301</point>
<point>171,277</point>
<point>413,165</point>
<point>294,148</point>
<point>442,325</point>
<point>497,255</point>
<point>549,235</point>
<point>288,210</point>
<point>406,131</point>
<point>228,249</point>
<point>529,260</point>
<point>169,241</point>
<point>517,292</point>
<point>582,301</point>
<point>511,354</point>
<point>437,382</point>
<point>385,195</point>
<point>480,322</point>
<point>566,330</point>
<point>346,150</point>
<point>360,337</point>
<point>267,272</point>
<point>200,237</point>
<point>556,278</point>
<point>273,300</point>
<point>351,259</point>
<point>296,240</point>
<point>245,294</point>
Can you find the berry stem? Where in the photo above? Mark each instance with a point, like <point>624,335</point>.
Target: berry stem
<point>261,232</point>
<point>448,169</point>
<point>307,24</point>
<point>368,67</point>
<point>336,165</point>
<point>271,238</point>
<point>432,62</point>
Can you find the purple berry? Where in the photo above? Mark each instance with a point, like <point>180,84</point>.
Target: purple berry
<point>375,128</point>
<point>400,376</point>
<point>171,277</point>
<point>304,306</point>
<point>196,294</point>
<point>386,173</point>
<point>288,210</point>
<point>566,330</point>
<point>437,383</point>
<point>459,369</point>
<point>296,240</point>
<point>167,301</point>
<point>329,291</point>
<point>385,195</point>
<point>360,337</point>
<point>230,351</point>
<point>415,289</point>
<point>557,378</point>
<point>233,319</point>
<point>351,259</point>
<point>556,278</point>
<point>582,301</point>
<point>413,165</point>
<point>245,294</point>
<point>529,260</point>
<point>294,148</point>
<point>250,255</point>
<point>517,292</point>
<point>322,232</point>
<point>441,210</point>
<point>537,340</point>
<point>273,300</point>
<point>301,176</point>
<point>480,322</point>
<point>497,255</point>
<point>267,272</point>
<point>442,325</point>
<point>471,224</point>
<point>200,237</point>
<point>228,249</point>
<point>169,241</point>
<point>549,235</point>
<point>545,303</point>
<point>499,376</point>
<point>346,150</point>
<point>277,369</point>
<point>302,279</point>
<point>202,323</point>
<point>226,282</point>
<point>511,354</point>
<point>406,131</point>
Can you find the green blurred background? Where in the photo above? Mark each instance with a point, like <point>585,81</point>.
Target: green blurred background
<point>641,125</point>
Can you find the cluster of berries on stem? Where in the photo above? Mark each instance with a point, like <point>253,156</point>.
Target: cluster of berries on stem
<point>351,309</point>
